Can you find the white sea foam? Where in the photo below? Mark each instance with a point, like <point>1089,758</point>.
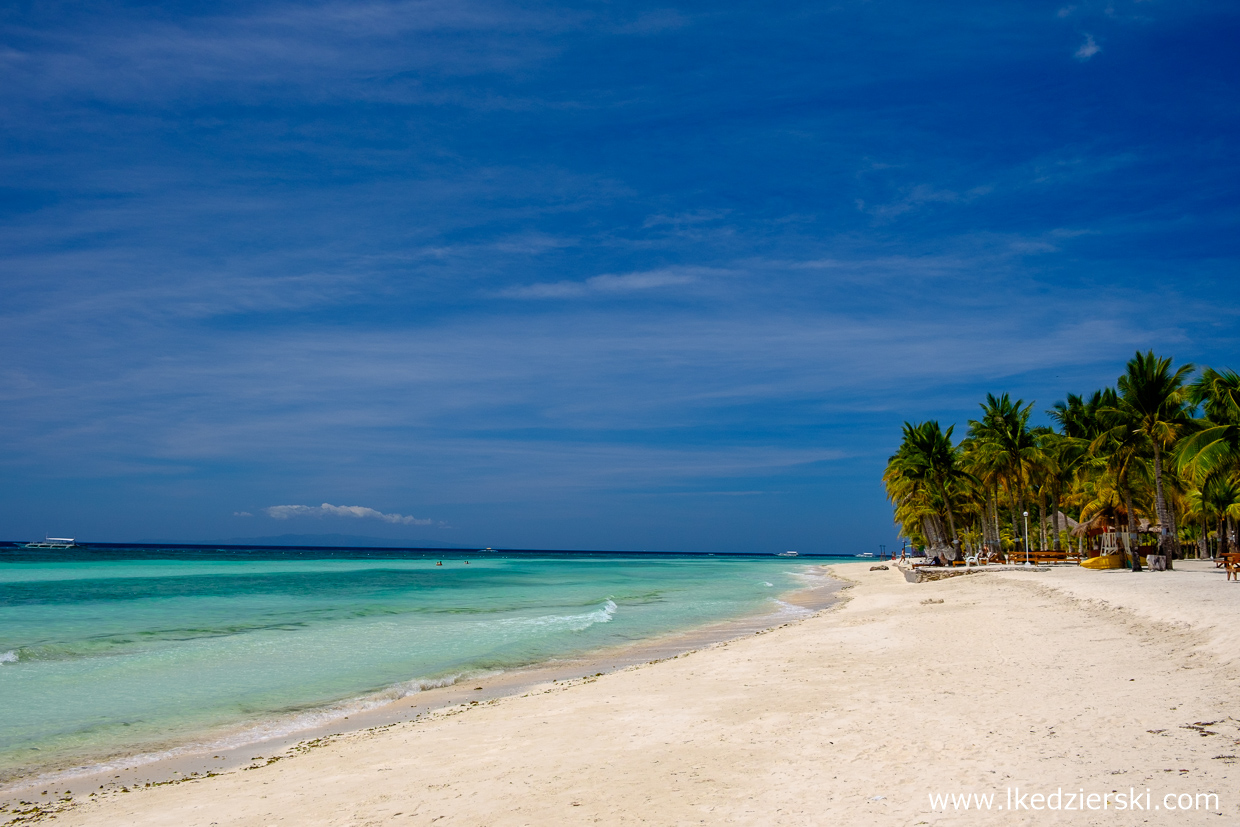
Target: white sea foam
<point>8,657</point>
<point>790,610</point>
<point>813,579</point>
<point>768,585</point>
<point>572,623</point>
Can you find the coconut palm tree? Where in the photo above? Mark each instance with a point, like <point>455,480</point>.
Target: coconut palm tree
<point>1002,441</point>
<point>1116,450</point>
<point>923,478</point>
<point>1219,499</point>
<point>982,466</point>
<point>1080,422</point>
<point>1210,456</point>
<point>1218,391</point>
<point>1107,457</point>
<point>1152,404</point>
<point>1215,444</point>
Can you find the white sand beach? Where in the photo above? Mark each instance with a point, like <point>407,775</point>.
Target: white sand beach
<point>1100,682</point>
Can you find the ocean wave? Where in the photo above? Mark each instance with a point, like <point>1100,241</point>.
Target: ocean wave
<point>791,610</point>
<point>8,657</point>
<point>813,579</point>
<point>413,687</point>
<point>572,623</point>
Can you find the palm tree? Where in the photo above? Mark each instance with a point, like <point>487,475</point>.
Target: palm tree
<point>1108,457</point>
<point>982,467</point>
<point>1116,451</point>
<point>1004,442</point>
<point>922,479</point>
<point>1152,405</point>
<point>1220,499</point>
<point>1215,445</point>
<point>1210,456</point>
<point>1219,392</point>
<point>1080,423</point>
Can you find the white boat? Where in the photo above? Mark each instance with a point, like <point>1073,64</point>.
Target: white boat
<point>54,542</point>
<point>786,554</point>
<point>866,554</point>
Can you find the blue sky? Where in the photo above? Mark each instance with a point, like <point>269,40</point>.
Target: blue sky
<point>587,275</point>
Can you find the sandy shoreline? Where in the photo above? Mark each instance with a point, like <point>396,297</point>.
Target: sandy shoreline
<point>1072,679</point>
<point>229,750</point>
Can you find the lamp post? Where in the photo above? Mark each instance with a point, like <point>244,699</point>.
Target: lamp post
<point>1027,563</point>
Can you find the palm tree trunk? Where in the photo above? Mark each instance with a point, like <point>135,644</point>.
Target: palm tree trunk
<point>1055,518</point>
<point>1019,527</point>
<point>994,522</point>
<point>1132,529</point>
<point>1175,535</point>
<point>951,518</point>
<point>987,511</point>
<point>1042,516</point>
<point>1015,525</point>
<point>1165,537</point>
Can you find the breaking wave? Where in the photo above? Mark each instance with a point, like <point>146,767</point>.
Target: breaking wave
<point>573,623</point>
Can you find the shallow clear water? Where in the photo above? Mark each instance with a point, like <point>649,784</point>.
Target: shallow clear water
<point>120,651</point>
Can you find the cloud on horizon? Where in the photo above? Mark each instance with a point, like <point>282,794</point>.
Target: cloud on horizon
<point>361,512</point>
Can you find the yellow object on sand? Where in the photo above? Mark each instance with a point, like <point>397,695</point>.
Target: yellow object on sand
<point>1107,561</point>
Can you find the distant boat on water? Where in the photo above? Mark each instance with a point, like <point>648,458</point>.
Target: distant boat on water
<point>54,542</point>
<point>866,554</point>
<point>787,554</point>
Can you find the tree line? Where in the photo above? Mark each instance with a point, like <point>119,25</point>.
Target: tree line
<point>1159,452</point>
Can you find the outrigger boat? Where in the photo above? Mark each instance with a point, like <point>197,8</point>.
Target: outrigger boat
<point>54,542</point>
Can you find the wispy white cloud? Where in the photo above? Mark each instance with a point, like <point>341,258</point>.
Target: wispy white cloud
<point>609,284</point>
<point>321,50</point>
<point>684,218</point>
<point>919,196</point>
<point>654,22</point>
<point>283,512</point>
<point>1088,49</point>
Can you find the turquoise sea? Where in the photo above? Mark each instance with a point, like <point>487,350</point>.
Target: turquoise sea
<point>107,652</point>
